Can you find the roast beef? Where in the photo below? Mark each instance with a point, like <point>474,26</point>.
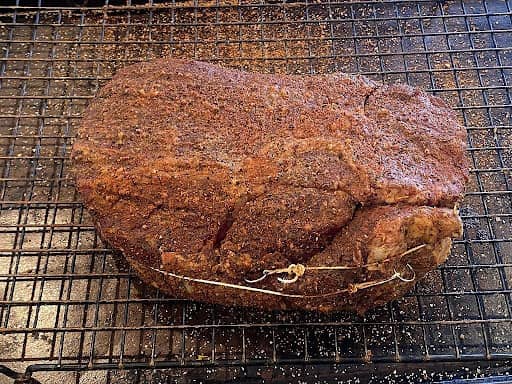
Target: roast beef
<point>232,187</point>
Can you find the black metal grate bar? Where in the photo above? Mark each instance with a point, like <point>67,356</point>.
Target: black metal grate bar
<point>68,303</point>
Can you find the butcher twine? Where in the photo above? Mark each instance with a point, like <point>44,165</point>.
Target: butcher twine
<point>298,270</point>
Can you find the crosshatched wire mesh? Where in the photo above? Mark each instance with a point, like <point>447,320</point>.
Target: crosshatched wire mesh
<point>67,302</point>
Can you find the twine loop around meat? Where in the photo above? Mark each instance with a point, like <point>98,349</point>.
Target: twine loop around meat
<point>351,289</point>
<point>298,270</point>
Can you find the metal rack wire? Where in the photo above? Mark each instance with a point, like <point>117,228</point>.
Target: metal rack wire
<point>70,310</point>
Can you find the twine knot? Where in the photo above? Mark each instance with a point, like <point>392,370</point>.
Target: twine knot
<point>352,288</point>
<point>295,271</point>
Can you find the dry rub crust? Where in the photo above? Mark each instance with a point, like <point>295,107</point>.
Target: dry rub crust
<point>218,174</point>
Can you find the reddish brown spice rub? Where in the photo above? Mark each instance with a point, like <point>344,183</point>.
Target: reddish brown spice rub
<point>219,174</point>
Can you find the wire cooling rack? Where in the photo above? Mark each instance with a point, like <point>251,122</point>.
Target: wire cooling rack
<point>71,311</point>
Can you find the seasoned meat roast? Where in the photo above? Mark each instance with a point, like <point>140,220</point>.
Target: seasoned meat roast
<point>326,192</point>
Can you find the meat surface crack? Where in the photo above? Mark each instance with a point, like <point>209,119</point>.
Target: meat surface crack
<point>224,229</point>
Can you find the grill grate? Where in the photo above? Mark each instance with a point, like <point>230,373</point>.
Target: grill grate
<point>69,305</point>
